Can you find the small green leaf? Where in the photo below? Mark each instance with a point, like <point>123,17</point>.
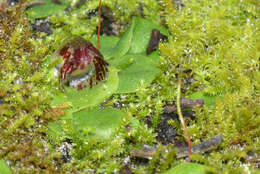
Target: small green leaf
<point>103,121</point>
<point>45,10</point>
<point>91,97</point>
<point>188,168</point>
<point>4,168</point>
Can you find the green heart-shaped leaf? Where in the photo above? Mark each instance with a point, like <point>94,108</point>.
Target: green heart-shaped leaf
<point>142,68</point>
<point>103,121</point>
<point>97,94</point>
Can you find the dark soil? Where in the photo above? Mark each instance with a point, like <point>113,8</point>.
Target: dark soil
<point>166,134</point>
<point>42,25</point>
<point>109,26</point>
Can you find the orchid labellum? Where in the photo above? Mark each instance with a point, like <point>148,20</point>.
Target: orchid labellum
<point>83,65</point>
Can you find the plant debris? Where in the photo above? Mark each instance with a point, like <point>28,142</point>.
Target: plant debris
<point>154,41</point>
<point>185,103</point>
<point>148,151</point>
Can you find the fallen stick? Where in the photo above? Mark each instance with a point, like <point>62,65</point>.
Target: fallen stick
<point>148,151</point>
<point>185,103</point>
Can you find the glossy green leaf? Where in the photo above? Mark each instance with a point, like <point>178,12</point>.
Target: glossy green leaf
<point>142,68</point>
<point>50,8</point>
<point>103,121</point>
<point>188,168</point>
<point>4,169</point>
<point>91,97</point>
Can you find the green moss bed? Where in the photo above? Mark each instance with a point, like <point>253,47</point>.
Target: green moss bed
<point>213,46</point>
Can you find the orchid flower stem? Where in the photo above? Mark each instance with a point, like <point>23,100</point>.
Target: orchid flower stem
<point>99,23</point>
<point>181,117</point>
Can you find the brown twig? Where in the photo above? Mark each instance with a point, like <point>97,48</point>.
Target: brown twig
<point>148,151</point>
<point>206,146</point>
<point>185,103</point>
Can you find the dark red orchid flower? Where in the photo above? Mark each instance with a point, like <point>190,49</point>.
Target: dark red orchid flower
<point>83,64</point>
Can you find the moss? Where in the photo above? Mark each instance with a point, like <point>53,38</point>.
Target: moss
<point>106,156</point>
<point>24,94</point>
<point>218,43</point>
